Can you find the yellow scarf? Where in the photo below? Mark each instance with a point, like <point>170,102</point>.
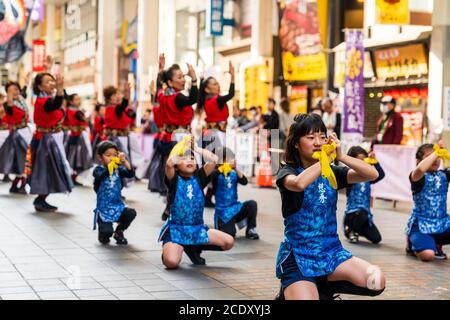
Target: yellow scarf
<point>113,165</point>
<point>322,156</point>
<point>442,153</point>
<point>371,161</point>
<point>225,169</point>
<point>181,147</point>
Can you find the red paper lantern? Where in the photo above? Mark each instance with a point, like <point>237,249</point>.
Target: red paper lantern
<point>424,93</point>
<point>414,92</point>
<point>395,93</point>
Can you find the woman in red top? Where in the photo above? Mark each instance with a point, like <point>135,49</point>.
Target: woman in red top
<point>217,114</point>
<point>50,170</point>
<point>78,146</point>
<point>176,107</point>
<point>119,118</point>
<point>14,150</point>
<point>98,126</point>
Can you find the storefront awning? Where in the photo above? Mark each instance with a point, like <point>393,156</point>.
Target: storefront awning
<point>398,40</point>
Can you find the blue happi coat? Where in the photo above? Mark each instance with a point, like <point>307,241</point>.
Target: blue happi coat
<point>185,222</point>
<point>109,193</point>
<point>227,204</point>
<point>311,233</point>
<point>430,205</point>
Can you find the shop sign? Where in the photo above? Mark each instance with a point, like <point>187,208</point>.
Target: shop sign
<point>130,35</point>
<point>403,61</point>
<point>257,87</point>
<point>301,42</point>
<point>214,16</point>
<point>392,11</point>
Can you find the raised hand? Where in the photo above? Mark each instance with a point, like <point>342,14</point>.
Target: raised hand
<point>231,70</point>
<point>49,61</point>
<point>191,72</point>
<point>334,138</point>
<point>127,91</point>
<point>59,85</point>
<point>122,157</point>
<point>442,144</point>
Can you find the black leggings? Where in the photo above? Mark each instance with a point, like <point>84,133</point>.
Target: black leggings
<point>249,210</point>
<point>106,230</point>
<point>359,222</point>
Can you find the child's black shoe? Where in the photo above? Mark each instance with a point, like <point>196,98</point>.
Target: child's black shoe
<point>252,234</point>
<point>103,240</point>
<point>193,252</point>
<point>120,239</point>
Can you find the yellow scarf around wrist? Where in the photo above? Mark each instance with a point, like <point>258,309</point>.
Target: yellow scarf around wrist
<point>181,147</point>
<point>328,150</point>
<point>442,153</point>
<point>371,161</point>
<point>225,169</point>
<point>113,165</point>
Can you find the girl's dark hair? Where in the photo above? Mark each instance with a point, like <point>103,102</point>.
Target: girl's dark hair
<point>38,81</point>
<point>98,106</point>
<point>355,151</point>
<point>168,74</point>
<point>108,92</point>
<point>225,154</point>
<point>421,151</point>
<point>202,93</point>
<point>303,125</point>
<point>105,146</point>
<point>12,83</point>
<point>70,98</point>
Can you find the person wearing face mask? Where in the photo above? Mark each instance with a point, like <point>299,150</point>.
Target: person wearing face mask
<point>13,151</point>
<point>390,124</point>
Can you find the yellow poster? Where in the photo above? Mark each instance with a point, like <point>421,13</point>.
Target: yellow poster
<point>301,40</point>
<point>392,11</point>
<point>257,86</point>
<point>298,100</point>
<point>403,61</point>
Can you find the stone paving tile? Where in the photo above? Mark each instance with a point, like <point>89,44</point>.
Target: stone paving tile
<point>20,296</point>
<point>56,295</point>
<point>172,295</point>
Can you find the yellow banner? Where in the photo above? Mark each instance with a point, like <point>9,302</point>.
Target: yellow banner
<point>392,11</point>
<point>257,86</point>
<point>404,61</point>
<point>304,68</point>
<point>298,100</point>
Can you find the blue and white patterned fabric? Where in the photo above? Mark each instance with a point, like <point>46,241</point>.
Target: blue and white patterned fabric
<point>109,196</point>
<point>358,198</point>
<point>311,233</point>
<point>430,205</point>
<point>227,204</point>
<point>186,214</point>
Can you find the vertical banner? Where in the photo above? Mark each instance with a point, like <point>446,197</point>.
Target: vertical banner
<point>392,11</point>
<point>354,83</point>
<point>214,18</point>
<point>38,56</point>
<point>301,42</point>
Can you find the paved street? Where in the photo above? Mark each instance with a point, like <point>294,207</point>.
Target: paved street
<point>57,256</point>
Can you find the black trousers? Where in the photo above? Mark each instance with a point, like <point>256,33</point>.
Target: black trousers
<point>249,210</point>
<point>359,222</point>
<point>106,230</point>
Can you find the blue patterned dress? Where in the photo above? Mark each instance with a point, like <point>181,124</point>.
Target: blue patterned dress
<point>227,204</point>
<point>109,193</point>
<point>430,205</point>
<point>311,233</point>
<point>185,222</point>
